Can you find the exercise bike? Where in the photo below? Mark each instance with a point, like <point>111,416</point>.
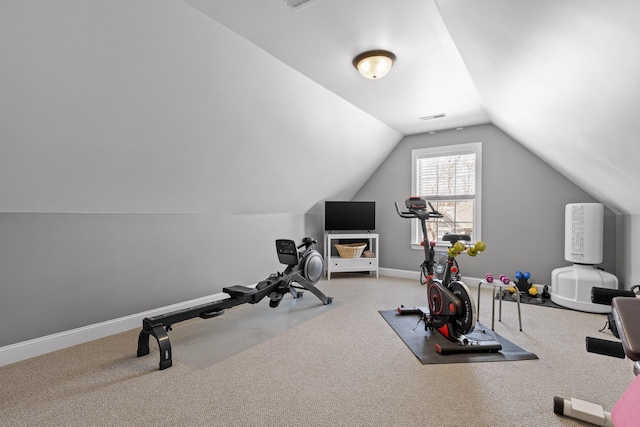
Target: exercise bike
<point>451,309</point>
<point>304,270</point>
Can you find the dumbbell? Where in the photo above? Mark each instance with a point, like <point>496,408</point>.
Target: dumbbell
<point>477,248</point>
<point>504,279</point>
<point>520,275</point>
<point>456,249</point>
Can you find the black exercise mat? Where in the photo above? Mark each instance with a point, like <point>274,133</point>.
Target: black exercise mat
<point>423,343</point>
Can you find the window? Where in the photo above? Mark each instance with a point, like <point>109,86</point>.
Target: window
<point>450,179</point>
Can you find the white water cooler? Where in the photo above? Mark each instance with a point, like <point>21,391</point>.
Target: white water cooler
<point>583,243</point>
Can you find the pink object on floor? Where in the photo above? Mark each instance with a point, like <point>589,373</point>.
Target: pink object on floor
<point>626,412</point>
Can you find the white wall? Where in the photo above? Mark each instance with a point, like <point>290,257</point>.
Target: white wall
<point>135,138</point>
<point>629,250</point>
<point>64,271</point>
<point>151,106</point>
<point>113,106</point>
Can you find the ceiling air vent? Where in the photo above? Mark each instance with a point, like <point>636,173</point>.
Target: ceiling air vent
<point>435,116</point>
<point>296,4</point>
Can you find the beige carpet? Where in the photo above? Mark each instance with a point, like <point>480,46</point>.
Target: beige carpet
<point>346,367</point>
<point>200,343</point>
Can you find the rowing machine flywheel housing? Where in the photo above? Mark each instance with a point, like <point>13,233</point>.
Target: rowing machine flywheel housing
<point>312,266</point>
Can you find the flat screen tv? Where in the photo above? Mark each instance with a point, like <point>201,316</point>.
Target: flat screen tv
<point>349,216</point>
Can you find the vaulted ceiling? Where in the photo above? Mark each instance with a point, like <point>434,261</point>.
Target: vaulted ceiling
<point>561,77</point>
<point>254,105</point>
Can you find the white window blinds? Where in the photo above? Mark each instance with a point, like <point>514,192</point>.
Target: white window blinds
<point>449,177</point>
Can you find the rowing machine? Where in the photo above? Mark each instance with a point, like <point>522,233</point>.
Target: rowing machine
<point>303,271</point>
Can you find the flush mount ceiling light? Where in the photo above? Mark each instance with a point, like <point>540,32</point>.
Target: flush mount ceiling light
<point>374,63</point>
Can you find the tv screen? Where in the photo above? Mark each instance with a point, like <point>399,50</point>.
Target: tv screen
<point>349,216</point>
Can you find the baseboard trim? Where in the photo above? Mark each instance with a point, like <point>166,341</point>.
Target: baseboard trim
<point>38,346</point>
<point>403,274</point>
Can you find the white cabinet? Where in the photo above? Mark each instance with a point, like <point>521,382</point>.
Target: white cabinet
<point>334,263</point>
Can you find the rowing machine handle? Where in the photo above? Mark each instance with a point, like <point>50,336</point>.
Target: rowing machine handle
<point>306,242</point>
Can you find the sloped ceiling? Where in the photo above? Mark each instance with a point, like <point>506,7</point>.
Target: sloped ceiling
<point>558,76</point>
<point>150,106</point>
<point>562,78</point>
<point>253,106</point>
<point>321,38</point>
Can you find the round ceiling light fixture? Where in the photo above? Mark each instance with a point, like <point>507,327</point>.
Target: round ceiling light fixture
<point>374,63</point>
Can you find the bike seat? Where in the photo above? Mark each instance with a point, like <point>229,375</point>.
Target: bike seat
<point>449,237</point>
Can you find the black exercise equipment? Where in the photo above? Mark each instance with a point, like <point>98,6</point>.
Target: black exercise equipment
<point>451,309</point>
<point>624,324</point>
<point>303,271</point>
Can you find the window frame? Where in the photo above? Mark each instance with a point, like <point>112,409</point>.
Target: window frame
<point>448,150</point>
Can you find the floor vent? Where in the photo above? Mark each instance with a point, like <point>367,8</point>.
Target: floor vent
<point>296,4</point>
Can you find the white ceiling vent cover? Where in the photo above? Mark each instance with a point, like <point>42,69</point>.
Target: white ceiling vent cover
<point>435,116</point>
<point>296,4</point>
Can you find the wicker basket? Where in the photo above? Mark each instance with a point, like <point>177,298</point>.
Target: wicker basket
<point>351,250</point>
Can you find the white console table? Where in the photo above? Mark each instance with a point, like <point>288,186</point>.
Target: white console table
<point>334,263</point>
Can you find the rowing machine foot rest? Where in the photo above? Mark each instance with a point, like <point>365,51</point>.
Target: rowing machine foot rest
<point>239,291</point>
<point>211,314</point>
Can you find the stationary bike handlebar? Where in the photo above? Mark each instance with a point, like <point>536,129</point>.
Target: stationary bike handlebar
<point>415,212</point>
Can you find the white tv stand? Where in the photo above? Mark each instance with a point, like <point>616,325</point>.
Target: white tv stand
<point>334,263</point>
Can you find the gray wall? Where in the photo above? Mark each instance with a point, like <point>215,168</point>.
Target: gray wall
<point>523,202</point>
<point>149,119</point>
<point>63,271</point>
<point>60,271</point>
<point>628,250</point>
